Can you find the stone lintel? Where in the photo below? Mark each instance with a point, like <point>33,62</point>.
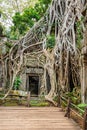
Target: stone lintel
<point>34,70</point>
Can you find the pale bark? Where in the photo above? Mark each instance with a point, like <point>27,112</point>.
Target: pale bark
<point>63,14</point>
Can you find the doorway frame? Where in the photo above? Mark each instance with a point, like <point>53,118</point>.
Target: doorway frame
<point>27,82</point>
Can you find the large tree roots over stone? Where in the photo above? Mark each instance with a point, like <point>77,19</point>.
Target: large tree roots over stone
<point>63,61</point>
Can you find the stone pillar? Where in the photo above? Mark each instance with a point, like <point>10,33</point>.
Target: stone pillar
<point>23,78</point>
<point>84,74</point>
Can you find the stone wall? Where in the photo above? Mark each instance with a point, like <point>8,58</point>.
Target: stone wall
<point>37,60</point>
<point>34,65</point>
<point>29,72</point>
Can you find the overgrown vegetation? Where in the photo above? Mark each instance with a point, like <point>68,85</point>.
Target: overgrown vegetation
<point>50,42</point>
<point>15,101</point>
<point>55,99</point>
<point>25,20</point>
<point>82,106</point>
<point>8,46</point>
<point>39,103</point>
<point>75,95</point>
<point>17,83</point>
<point>64,59</point>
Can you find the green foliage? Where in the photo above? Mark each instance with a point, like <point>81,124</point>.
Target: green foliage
<point>38,103</point>
<point>25,20</point>
<point>50,41</point>
<point>33,103</point>
<point>17,83</point>
<point>55,99</point>
<point>72,97</point>
<point>13,34</point>
<point>75,95</point>
<point>82,106</point>
<point>41,6</point>
<point>19,24</point>
<point>69,94</point>
<point>30,16</point>
<point>8,46</point>
<point>79,33</point>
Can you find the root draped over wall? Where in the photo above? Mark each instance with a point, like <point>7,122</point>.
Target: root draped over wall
<point>60,19</point>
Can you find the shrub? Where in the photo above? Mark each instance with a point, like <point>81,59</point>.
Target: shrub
<point>17,83</point>
<point>82,106</point>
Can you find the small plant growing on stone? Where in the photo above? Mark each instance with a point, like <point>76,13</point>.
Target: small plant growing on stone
<point>17,83</point>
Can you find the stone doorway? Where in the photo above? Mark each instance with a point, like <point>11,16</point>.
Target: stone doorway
<point>34,85</point>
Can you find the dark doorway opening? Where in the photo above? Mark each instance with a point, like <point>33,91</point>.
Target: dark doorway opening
<point>34,85</point>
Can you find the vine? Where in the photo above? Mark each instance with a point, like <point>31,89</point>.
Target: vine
<point>64,57</point>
